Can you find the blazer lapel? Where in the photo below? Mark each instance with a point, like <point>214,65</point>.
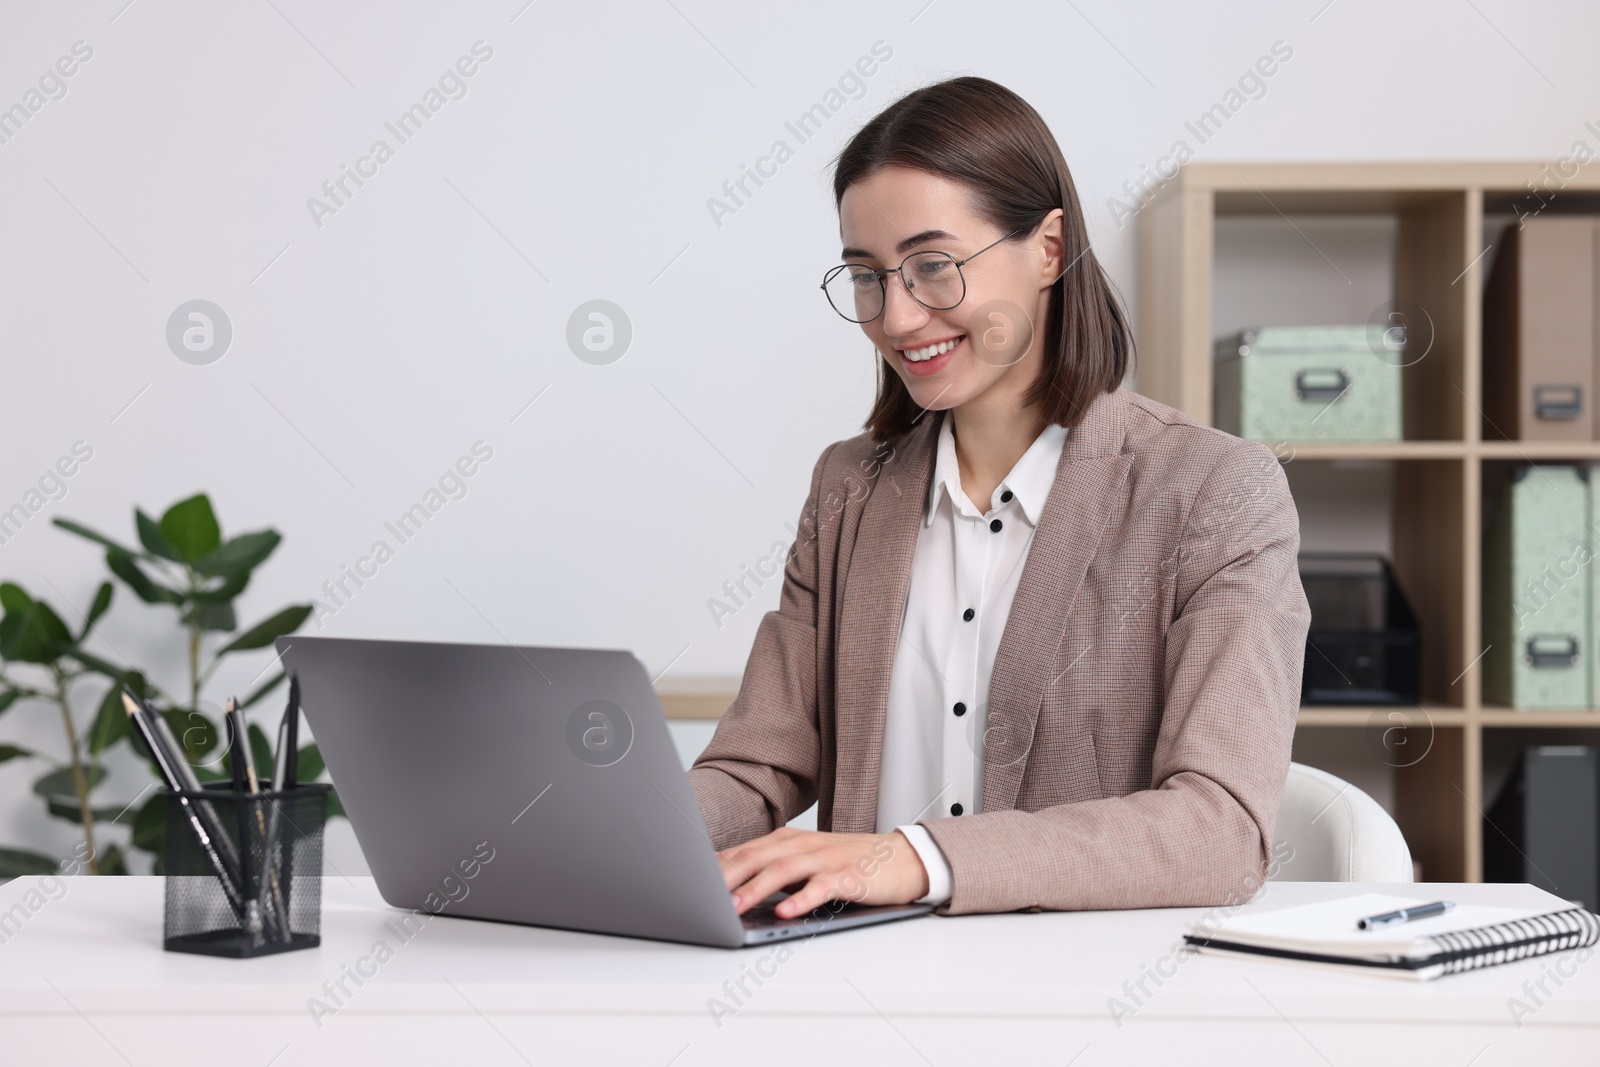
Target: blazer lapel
<point>1089,480</point>
<point>873,606</point>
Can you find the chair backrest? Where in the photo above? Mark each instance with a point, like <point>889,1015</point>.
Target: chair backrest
<point>1335,833</point>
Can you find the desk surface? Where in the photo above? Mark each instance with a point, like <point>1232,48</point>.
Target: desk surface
<point>85,972</point>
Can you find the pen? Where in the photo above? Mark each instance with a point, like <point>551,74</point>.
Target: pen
<point>191,783</point>
<point>280,772</point>
<point>276,914</point>
<point>238,745</point>
<point>175,753</point>
<point>252,778</point>
<point>174,782</point>
<point>292,713</point>
<point>282,883</point>
<point>1405,915</point>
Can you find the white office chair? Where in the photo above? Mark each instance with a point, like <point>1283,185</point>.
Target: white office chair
<point>1336,833</point>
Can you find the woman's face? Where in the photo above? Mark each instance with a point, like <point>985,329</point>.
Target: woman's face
<point>987,344</point>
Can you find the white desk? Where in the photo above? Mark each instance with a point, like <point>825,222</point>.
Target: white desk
<point>84,981</point>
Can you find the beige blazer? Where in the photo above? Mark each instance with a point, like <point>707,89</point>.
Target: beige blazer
<point>1144,692</point>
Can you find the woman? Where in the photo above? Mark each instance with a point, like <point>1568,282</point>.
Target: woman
<point>1040,638</point>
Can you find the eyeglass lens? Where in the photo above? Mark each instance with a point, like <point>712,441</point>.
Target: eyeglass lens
<point>932,278</point>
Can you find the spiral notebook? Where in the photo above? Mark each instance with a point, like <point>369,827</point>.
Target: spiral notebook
<point>1466,937</point>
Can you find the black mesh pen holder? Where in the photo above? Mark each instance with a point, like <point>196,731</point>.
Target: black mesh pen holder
<point>243,871</point>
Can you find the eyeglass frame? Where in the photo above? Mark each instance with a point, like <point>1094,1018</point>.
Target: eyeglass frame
<point>883,278</point>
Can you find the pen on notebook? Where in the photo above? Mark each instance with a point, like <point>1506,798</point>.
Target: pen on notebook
<point>140,717</point>
<point>1405,915</point>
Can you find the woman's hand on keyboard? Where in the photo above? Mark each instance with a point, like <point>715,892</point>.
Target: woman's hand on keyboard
<point>861,868</point>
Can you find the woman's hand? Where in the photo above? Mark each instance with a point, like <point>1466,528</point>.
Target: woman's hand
<point>863,868</point>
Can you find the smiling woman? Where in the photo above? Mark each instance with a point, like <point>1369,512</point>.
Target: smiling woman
<point>1051,656</point>
<point>1013,189</point>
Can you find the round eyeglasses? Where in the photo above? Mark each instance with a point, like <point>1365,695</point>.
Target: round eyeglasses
<point>934,280</point>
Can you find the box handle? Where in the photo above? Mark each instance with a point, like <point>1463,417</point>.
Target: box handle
<point>1558,401</point>
<point>1331,391</point>
<point>1552,650</point>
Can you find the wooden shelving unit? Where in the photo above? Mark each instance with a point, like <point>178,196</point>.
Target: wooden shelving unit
<point>695,697</point>
<point>1440,468</point>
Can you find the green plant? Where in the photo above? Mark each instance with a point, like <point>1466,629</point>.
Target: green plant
<point>31,632</point>
<point>183,563</point>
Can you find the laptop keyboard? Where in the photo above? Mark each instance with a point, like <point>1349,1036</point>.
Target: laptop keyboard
<point>765,916</point>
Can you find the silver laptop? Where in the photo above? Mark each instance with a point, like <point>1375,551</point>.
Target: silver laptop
<point>528,785</point>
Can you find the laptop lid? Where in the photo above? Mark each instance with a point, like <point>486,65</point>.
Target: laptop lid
<point>520,784</point>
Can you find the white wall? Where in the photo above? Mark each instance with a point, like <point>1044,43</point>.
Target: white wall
<point>372,350</point>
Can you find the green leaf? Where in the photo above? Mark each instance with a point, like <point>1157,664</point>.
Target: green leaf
<point>62,784</point>
<point>310,767</point>
<point>230,587</point>
<point>102,604</point>
<point>84,531</point>
<point>150,825</point>
<point>14,599</point>
<point>190,526</point>
<point>262,690</point>
<point>67,808</point>
<point>124,566</point>
<point>10,752</point>
<point>267,631</point>
<point>335,806</point>
<point>261,752</point>
<point>36,635</point>
<point>112,860</point>
<point>51,628</point>
<point>153,539</point>
<point>207,774</point>
<point>242,553</point>
<point>15,863</point>
<point>111,723</point>
<point>11,635</point>
<point>219,617</point>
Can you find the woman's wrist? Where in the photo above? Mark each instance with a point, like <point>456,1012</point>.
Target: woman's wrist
<point>916,857</point>
<point>936,868</point>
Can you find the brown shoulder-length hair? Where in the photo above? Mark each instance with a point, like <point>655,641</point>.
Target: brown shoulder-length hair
<point>978,132</point>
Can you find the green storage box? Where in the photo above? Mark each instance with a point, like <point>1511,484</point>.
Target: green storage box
<point>1310,383</point>
<point>1536,596</point>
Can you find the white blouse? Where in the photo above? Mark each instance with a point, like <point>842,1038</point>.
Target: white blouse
<point>963,578</point>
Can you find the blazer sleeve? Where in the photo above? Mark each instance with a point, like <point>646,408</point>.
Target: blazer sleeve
<point>762,766</point>
<point>1202,833</point>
